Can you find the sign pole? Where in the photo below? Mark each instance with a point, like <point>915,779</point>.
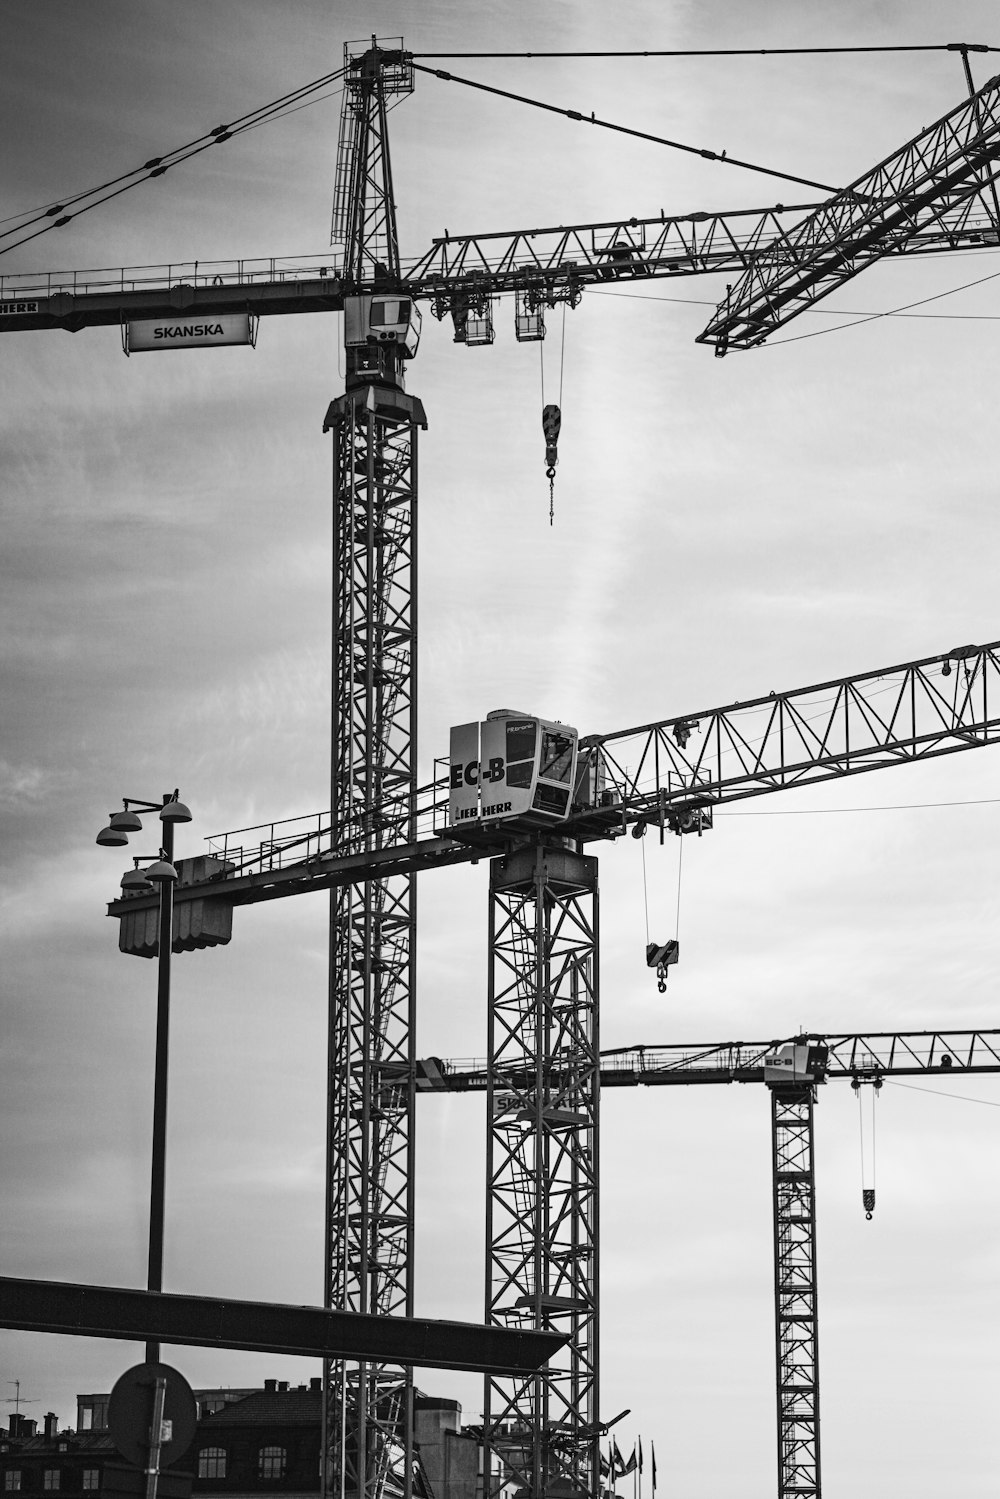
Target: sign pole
<point>155,1436</point>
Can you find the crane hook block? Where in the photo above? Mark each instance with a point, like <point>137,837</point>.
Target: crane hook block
<point>868,1201</point>
<point>551,422</point>
<point>661,957</point>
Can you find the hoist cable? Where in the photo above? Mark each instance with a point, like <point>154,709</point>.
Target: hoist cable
<point>591,119</point>
<point>874,1116</point>
<point>680,869</point>
<point>562,367</point>
<point>645,887</point>
<point>156,166</point>
<point>865,1185</point>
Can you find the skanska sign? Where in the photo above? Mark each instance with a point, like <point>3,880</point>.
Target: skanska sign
<point>193,332</point>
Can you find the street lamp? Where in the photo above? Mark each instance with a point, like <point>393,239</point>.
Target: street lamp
<point>160,874</point>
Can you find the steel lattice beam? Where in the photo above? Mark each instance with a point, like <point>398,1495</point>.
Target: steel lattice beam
<point>796,1334</point>
<point>549,264</point>
<point>372,932</point>
<point>658,772</point>
<point>542,1166</point>
<point>848,1056</point>
<point>846,726</point>
<point>947,169</point>
<point>368,1412</point>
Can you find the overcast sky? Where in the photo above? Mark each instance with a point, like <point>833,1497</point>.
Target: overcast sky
<point>723,528</point>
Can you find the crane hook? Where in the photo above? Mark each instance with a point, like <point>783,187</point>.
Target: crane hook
<point>551,422</point>
<point>660,956</point>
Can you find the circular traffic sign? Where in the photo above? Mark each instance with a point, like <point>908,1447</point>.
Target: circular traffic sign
<point>132,1406</point>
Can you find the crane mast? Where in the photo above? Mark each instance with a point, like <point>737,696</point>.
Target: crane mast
<point>796,1328</point>
<point>542,1170</point>
<point>368,1415</point>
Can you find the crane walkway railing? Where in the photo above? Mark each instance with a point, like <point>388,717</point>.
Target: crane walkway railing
<point>266,270</point>
<point>615,250</point>
<point>270,846</point>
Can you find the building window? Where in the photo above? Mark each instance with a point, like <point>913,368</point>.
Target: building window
<point>51,1479</point>
<point>12,1480</point>
<point>212,1462</point>
<point>91,1413</point>
<point>91,1478</point>
<point>271,1462</point>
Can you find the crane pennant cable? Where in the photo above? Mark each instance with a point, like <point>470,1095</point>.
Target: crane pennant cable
<point>158,165</point>
<point>643,135</point>
<point>46,217</point>
<point>300,97</point>
<point>729,51</point>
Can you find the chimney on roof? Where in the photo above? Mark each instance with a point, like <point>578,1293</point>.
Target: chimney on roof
<point>270,1385</point>
<point>283,1387</point>
<point>316,1383</point>
<point>51,1426</point>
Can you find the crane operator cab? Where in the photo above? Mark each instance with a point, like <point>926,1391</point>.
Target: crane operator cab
<point>801,1061</point>
<point>377,320</point>
<point>512,768</point>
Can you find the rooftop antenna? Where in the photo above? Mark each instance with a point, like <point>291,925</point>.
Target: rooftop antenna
<point>17,1402</point>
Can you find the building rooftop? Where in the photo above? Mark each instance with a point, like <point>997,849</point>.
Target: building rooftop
<point>300,1406</point>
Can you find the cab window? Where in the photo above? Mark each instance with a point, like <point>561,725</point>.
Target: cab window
<point>557,756</point>
<point>390,314</point>
<point>520,740</point>
<point>520,751</point>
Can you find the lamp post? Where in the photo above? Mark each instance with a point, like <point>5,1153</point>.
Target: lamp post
<point>161,874</point>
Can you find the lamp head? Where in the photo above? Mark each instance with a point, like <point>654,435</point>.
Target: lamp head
<point>125,822</point>
<point>112,837</point>
<point>174,811</point>
<point>134,882</point>
<point>161,872</point>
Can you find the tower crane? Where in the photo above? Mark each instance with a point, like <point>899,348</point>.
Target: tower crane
<point>383,829</point>
<point>542,1155</point>
<point>791,1069</point>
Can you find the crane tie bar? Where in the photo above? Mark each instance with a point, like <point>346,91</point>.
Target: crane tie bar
<point>659,140</point>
